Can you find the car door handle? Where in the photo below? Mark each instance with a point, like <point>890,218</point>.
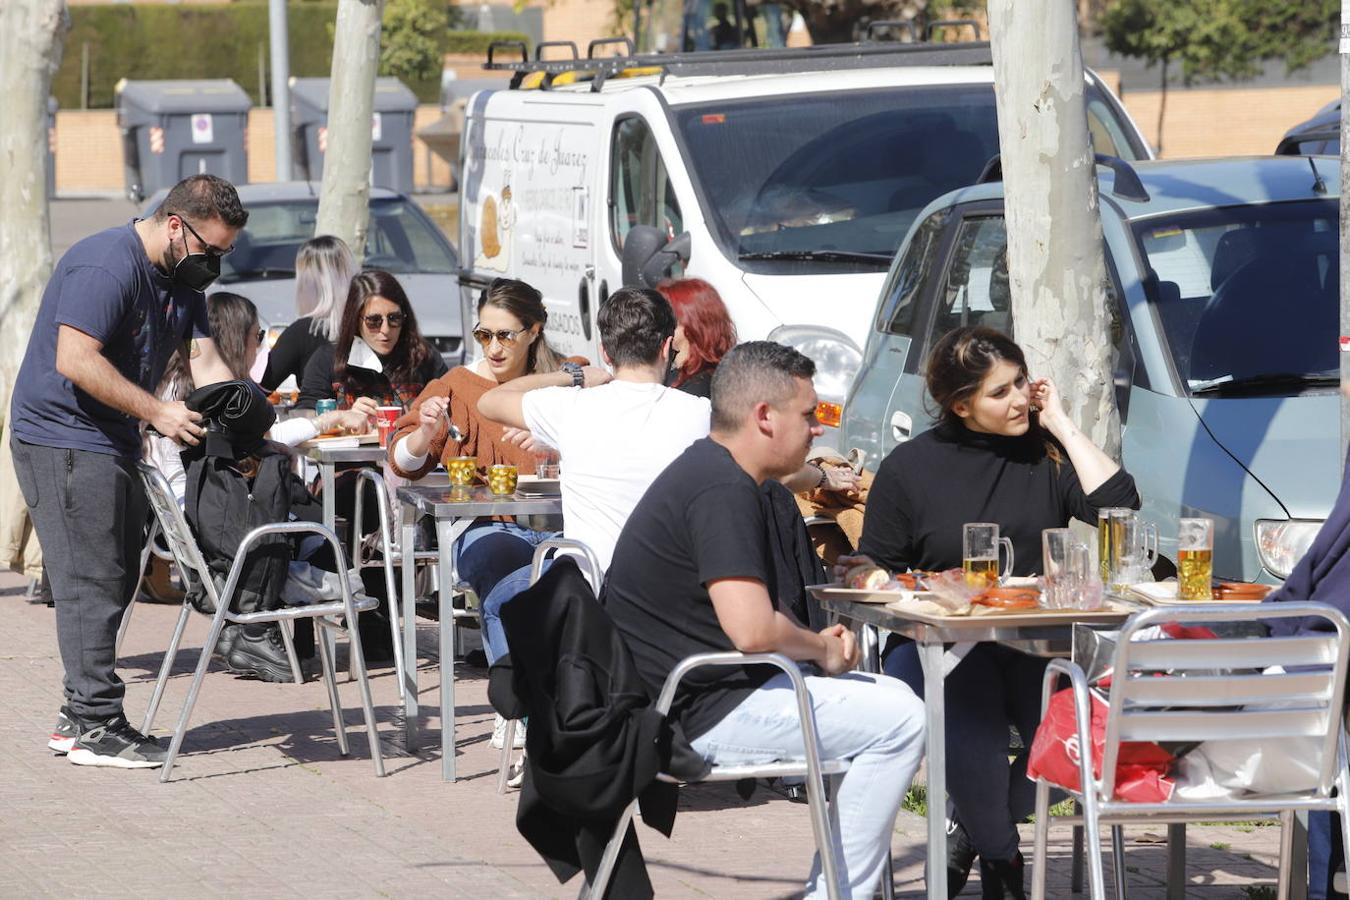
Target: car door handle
<point>901,426</point>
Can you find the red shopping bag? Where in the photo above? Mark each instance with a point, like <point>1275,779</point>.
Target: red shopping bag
<point>1141,766</point>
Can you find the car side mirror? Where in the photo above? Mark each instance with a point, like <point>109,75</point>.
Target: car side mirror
<point>648,257</point>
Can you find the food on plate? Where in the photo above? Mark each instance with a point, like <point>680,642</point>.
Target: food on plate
<point>910,581</point>
<point>1240,590</point>
<point>1008,598</point>
<point>868,578</point>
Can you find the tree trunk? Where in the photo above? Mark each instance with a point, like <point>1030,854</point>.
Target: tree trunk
<point>1056,267</point>
<point>31,33</point>
<point>344,199</point>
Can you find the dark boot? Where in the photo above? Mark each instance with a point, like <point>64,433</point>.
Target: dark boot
<point>1001,879</point>
<point>259,651</point>
<point>960,857</point>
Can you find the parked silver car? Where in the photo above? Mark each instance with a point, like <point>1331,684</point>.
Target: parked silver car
<point>1225,273</point>
<point>401,239</point>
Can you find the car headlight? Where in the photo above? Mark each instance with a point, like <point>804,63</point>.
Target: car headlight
<point>837,361</point>
<point>1281,543</point>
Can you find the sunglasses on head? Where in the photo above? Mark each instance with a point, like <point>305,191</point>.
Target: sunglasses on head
<point>376,321</point>
<point>504,337</point>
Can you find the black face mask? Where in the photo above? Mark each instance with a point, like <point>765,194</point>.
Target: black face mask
<point>195,271</point>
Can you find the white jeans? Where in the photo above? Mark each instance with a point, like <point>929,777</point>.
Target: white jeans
<point>874,720</point>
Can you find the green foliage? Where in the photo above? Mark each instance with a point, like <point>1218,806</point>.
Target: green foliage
<point>190,41</point>
<point>1217,39</point>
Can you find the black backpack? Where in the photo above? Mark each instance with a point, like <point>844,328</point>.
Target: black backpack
<point>223,505</point>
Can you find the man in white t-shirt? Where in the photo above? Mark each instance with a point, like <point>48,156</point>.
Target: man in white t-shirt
<point>614,434</point>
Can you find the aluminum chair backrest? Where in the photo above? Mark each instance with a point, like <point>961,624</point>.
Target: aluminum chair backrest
<point>1214,690</point>
<point>586,559</point>
<point>172,522</point>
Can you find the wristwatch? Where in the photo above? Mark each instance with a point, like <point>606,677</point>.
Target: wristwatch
<point>573,369</point>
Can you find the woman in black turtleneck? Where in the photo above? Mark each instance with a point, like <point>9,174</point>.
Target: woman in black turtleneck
<point>1003,451</point>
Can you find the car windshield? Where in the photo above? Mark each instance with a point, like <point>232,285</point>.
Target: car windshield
<point>400,240</point>
<point>1247,296</point>
<point>838,173</point>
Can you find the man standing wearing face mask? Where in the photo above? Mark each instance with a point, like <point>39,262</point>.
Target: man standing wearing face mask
<point>118,304</point>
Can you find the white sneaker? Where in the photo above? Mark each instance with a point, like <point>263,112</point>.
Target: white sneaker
<point>499,734</point>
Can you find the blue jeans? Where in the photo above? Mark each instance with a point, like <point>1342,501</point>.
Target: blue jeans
<point>994,688</point>
<point>875,721</point>
<point>1326,856</point>
<point>489,555</point>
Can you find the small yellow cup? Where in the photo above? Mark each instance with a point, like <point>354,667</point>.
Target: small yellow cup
<point>502,479</point>
<point>461,469</point>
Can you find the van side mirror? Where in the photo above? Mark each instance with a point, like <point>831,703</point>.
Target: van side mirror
<point>648,257</point>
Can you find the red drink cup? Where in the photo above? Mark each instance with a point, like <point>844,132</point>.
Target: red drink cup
<point>385,417</point>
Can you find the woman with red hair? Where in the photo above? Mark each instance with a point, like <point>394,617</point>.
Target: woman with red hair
<point>703,335</point>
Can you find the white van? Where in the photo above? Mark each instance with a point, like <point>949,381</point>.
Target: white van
<point>786,178</point>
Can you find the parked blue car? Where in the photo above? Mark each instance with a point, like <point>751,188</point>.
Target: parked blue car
<point>1224,274</point>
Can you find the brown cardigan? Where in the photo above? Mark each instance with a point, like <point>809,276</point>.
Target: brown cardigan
<point>482,438</point>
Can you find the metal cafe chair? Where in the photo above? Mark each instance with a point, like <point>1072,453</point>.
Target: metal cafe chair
<point>1207,690</point>
<point>389,551</point>
<point>824,818</point>
<point>589,564</point>
<point>189,558</point>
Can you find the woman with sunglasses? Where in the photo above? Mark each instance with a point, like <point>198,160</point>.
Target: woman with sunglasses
<point>379,352</point>
<point>510,329</point>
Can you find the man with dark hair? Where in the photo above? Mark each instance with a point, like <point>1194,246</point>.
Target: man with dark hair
<point>615,435</point>
<point>118,304</point>
<point>692,573</point>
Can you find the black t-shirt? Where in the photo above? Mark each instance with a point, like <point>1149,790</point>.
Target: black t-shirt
<point>701,520</point>
<point>291,353</point>
<point>927,488</point>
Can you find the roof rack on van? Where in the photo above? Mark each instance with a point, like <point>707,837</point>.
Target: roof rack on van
<point>1127,183</point>
<point>869,54</point>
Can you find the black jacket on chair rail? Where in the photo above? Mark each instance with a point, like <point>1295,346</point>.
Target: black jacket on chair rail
<point>594,742</point>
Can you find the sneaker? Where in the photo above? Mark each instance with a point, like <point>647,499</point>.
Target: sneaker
<point>263,656</point>
<point>113,742</point>
<point>499,734</point>
<point>64,732</point>
<point>517,775</point>
<point>225,643</point>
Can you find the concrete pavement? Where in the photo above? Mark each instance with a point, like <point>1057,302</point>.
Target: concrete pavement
<point>262,804</point>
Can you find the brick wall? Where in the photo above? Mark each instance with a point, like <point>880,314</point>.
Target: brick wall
<point>1213,122</point>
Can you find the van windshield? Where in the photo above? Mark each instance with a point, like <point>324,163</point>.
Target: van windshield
<point>836,177</point>
<point>1247,296</point>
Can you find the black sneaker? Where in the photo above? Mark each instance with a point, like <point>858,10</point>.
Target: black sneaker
<point>113,742</point>
<point>228,632</point>
<point>64,732</point>
<point>261,655</point>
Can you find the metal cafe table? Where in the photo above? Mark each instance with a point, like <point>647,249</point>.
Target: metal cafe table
<point>1037,632</point>
<point>454,510</point>
<point>329,458</point>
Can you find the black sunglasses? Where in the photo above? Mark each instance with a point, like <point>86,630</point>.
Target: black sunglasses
<point>211,249</point>
<point>376,321</point>
<point>262,335</point>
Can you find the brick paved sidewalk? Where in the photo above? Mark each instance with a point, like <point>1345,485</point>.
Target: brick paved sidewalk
<point>263,805</point>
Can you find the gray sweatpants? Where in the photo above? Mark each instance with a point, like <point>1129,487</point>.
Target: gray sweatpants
<point>89,512</point>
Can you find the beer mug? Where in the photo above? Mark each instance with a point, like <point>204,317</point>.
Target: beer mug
<point>1195,558</point>
<point>979,554</point>
<point>1135,549</point>
<point>1106,557</point>
<point>1069,580</point>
